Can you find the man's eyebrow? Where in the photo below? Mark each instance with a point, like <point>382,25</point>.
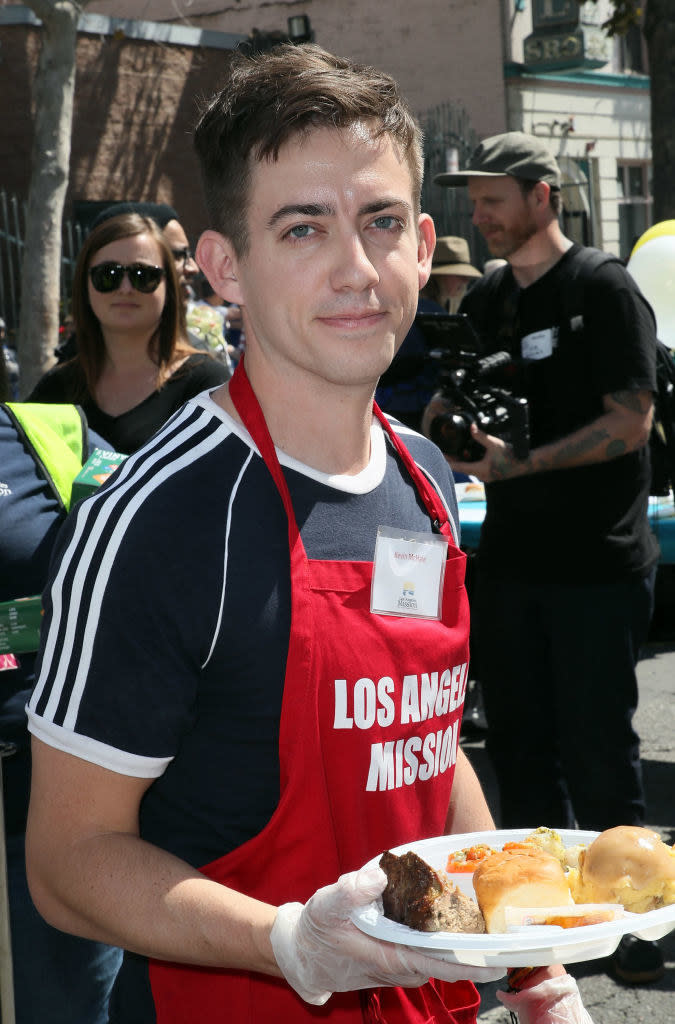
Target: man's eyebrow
<point>324,210</point>
<point>300,210</point>
<point>385,204</point>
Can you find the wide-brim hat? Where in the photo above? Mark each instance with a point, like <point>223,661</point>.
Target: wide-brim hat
<point>513,154</point>
<point>452,256</point>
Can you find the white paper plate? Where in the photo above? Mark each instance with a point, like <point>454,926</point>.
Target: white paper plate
<point>533,946</point>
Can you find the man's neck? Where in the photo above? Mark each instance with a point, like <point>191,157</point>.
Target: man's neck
<point>536,257</point>
<point>324,427</point>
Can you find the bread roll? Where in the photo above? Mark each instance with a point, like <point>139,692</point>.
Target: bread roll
<point>520,879</point>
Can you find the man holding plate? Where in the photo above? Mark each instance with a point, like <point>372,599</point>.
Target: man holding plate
<point>230,717</point>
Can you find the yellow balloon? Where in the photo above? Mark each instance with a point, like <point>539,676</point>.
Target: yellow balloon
<point>652,267</point>
<point>664,227</point>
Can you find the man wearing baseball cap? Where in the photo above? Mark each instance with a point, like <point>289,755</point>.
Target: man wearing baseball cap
<point>566,561</point>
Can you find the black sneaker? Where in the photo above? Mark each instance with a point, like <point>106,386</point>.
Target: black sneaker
<point>637,961</point>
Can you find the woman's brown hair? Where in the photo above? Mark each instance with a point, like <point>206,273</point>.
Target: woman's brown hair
<point>170,339</point>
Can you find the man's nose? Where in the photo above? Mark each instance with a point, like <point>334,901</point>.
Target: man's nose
<point>190,267</point>
<point>477,215</point>
<point>353,268</point>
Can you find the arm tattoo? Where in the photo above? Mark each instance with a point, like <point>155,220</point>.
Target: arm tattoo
<point>581,447</point>
<point>502,465</point>
<point>616,448</point>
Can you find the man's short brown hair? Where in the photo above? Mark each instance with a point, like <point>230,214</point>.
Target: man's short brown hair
<point>269,98</point>
<point>555,200</point>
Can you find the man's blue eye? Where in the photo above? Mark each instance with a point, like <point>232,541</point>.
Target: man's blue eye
<point>386,223</point>
<point>300,231</point>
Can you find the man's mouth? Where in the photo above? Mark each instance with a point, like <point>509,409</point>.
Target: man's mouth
<point>351,319</point>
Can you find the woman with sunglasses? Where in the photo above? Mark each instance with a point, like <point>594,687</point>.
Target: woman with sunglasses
<point>134,366</point>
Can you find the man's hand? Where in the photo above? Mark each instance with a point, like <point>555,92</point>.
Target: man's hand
<point>320,950</point>
<point>553,1001</point>
<point>498,462</point>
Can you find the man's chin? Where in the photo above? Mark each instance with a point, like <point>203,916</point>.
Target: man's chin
<point>497,248</point>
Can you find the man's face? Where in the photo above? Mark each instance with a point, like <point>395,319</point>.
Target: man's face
<point>330,280</point>
<point>502,214</point>
<point>452,286</point>
<point>186,268</point>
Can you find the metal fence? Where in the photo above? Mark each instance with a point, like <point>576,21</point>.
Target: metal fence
<point>449,141</point>
<point>12,237</point>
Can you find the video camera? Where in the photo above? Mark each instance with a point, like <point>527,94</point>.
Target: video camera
<point>463,375</point>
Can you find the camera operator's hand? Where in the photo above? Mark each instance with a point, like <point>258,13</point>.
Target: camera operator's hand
<point>498,462</point>
<point>437,406</point>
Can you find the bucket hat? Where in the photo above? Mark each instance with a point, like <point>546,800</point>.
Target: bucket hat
<point>451,256</point>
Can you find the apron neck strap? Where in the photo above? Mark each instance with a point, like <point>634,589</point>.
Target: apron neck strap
<point>432,500</point>
<point>248,407</point>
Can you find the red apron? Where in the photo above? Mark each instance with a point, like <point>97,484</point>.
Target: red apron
<point>371,705</point>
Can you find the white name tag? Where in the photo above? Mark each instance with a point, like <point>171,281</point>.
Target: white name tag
<point>408,573</point>
<point>540,344</point>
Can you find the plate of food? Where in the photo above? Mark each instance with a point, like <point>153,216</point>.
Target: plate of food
<point>524,898</point>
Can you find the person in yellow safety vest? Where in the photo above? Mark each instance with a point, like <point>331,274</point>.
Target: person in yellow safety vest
<point>56,977</point>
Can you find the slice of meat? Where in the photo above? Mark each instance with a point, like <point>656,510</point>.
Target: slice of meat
<point>425,899</point>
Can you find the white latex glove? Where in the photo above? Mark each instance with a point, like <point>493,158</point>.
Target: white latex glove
<point>554,1001</point>
<point>320,951</point>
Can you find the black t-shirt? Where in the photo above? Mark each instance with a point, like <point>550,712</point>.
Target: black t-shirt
<point>127,432</point>
<point>588,522</point>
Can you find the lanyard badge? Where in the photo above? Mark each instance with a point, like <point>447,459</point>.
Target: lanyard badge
<point>408,573</point>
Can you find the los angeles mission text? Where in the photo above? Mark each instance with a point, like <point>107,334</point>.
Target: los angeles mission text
<point>401,761</point>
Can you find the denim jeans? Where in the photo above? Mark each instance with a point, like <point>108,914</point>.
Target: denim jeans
<point>58,978</point>
<point>556,665</point>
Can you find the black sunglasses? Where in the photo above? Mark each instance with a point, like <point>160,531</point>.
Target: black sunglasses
<point>107,277</point>
<point>183,255</point>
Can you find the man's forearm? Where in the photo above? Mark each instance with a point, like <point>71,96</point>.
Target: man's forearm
<point>91,874</point>
<point>623,427</point>
<point>596,442</point>
<point>118,889</point>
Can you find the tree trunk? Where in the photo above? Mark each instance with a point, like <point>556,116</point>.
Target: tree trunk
<point>659,32</point>
<point>41,267</point>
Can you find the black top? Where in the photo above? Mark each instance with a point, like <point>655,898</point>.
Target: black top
<point>588,522</point>
<point>127,432</point>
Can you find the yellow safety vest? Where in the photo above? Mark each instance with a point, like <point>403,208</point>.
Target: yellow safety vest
<point>56,436</point>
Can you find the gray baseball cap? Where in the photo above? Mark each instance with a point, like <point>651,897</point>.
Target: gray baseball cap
<point>513,153</point>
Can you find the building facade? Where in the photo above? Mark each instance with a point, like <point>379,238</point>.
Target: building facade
<point>470,68</point>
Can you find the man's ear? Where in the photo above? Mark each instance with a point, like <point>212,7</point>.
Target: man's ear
<point>217,259</point>
<point>426,233</point>
<point>542,193</point>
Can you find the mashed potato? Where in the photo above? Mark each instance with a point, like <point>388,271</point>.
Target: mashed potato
<point>627,865</point>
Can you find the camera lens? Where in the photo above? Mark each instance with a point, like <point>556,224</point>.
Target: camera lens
<point>452,433</point>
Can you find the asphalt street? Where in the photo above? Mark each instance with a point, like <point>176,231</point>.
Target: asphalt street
<point>608,1001</point>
